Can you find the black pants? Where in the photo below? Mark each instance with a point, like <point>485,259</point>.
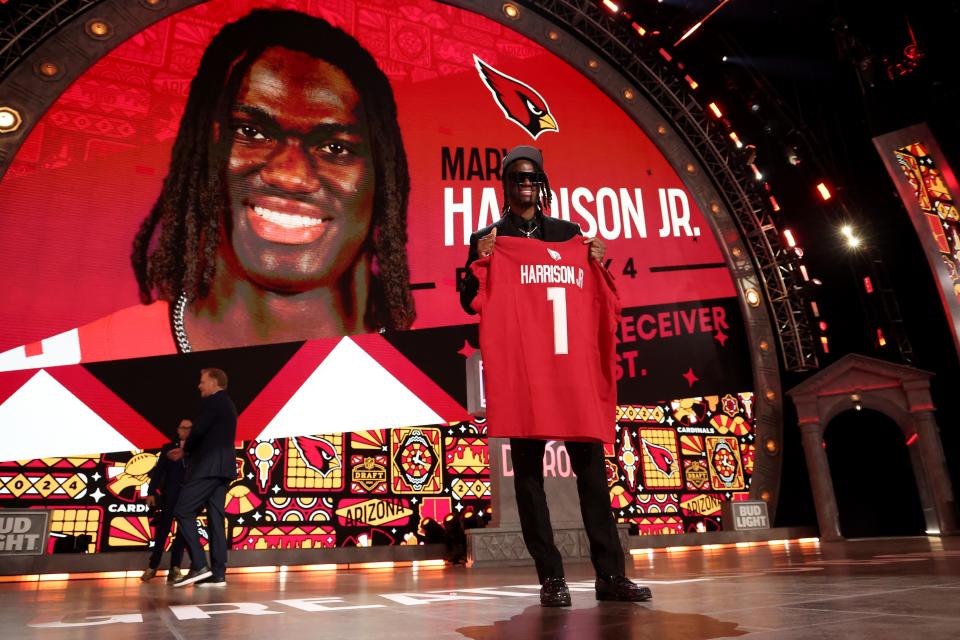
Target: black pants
<point>212,494</point>
<point>163,526</point>
<point>586,459</point>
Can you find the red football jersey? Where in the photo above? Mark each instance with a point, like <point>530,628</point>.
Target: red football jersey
<point>548,316</point>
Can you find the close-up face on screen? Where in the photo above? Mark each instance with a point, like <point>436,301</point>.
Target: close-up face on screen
<point>286,177</point>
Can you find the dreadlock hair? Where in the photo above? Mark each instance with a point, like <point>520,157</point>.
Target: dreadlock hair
<point>193,201</point>
<point>544,195</point>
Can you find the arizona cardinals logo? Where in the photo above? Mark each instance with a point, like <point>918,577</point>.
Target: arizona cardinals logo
<point>519,101</point>
<point>318,454</point>
<point>661,457</point>
<point>554,254</point>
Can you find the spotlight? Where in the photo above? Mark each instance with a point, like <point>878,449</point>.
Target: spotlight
<point>10,119</point>
<point>724,59</point>
<point>853,241</point>
<point>788,236</point>
<point>824,191</point>
<point>793,155</point>
<point>611,6</point>
<point>689,33</point>
<point>715,109</point>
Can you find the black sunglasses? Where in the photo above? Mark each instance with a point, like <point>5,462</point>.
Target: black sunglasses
<point>533,177</point>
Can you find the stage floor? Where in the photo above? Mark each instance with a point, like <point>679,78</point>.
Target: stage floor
<point>875,589</point>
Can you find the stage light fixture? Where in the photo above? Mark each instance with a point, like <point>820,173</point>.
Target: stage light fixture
<point>793,155</point>
<point>510,10</point>
<point>48,69</point>
<point>771,445</point>
<point>611,6</point>
<point>639,29</point>
<point>691,168</point>
<point>98,29</point>
<point>912,439</point>
<point>803,272</point>
<point>764,346</point>
<point>867,284</point>
<point>715,109</point>
<point>736,139</point>
<point>753,297</point>
<point>593,64</point>
<point>824,191</point>
<point>765,496</point>
<point>689,33</point>
<point>629,95</point>
<point>665,54</point>
<point>690,81</point>
<point>770,395</point>
<point>822,325</point>
<point>881,340</point>
<point>724,59</point>
<point>10,120</point>
<point>757,175</point>
<point>853,241</point>
<point>774,204</point>
<point>788,236</point>
<point>736,252</point>
<point>553,35</point>
<point>814,307</point>
<point>825,344</point>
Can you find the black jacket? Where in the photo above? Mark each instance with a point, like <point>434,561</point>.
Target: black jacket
<point>554,230</point>
<point>210,445</point>
<point>166,477</point>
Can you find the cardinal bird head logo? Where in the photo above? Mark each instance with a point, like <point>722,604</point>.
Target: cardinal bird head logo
<point>318,454</point>
<point>519,101</point>
<point>555,255</point>
<point>661,457</point>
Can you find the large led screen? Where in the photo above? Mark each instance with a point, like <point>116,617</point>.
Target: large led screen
<point>229,179</point>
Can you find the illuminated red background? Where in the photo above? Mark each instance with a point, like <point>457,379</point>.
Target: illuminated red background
<point>93,165</point>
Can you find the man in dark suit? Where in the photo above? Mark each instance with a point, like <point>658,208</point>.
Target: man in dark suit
<point>165,481</point>
<point>211,466</point>
<point>526,192</point>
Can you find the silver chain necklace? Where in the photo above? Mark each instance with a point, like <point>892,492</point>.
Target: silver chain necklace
<point>179,329</point>
<point>531,232</point>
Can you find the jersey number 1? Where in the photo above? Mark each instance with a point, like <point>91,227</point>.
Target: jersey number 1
<point>558,296</point>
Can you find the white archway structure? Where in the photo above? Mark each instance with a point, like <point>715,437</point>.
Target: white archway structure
<point>897,391</point>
